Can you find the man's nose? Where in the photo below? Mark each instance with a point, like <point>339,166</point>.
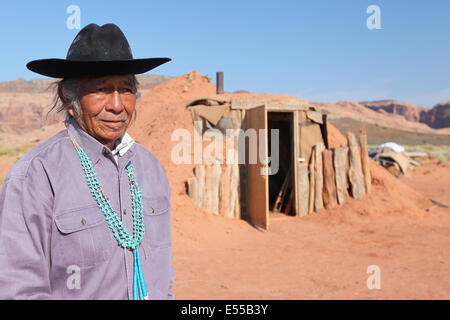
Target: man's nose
<point>114,102</point>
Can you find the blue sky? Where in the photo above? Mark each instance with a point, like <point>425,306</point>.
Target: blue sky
<point>317,50</point>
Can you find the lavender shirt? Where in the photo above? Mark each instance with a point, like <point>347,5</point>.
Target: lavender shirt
<point>54,240</point>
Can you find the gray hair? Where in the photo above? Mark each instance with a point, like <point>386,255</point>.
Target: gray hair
<point>70,89</point>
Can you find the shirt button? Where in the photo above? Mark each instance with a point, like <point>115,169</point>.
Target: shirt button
<point>83,222</point>
<point>153,210</point>
<point>124,211</point>
<point>105,152</point>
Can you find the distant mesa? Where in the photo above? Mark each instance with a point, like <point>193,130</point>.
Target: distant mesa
<point>24,104</point>
<point>146,82</point>
<point>409,111</point>
<point>436,117</point>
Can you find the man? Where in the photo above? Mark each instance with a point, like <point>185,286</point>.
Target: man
<point>86,215</point>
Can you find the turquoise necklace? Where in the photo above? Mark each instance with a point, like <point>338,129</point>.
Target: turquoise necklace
<point>114,222</point>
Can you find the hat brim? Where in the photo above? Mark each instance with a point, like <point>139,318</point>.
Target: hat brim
<point>61,68</point>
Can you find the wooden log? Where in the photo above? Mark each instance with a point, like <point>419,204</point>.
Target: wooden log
<point>318,175</point>
<point>212,182</point>
<point>365,160</point>
<point>207,201</point>
<point>312,181</point>
<point>340,168</point>
<point>192,189</point>
<point>329,186</point>
<point>234,211</point>
<point>355,174</point>
<point>303,188</point>
<point>217,169</point>
<point>289,203</point>
<point>225,192</point>
<point>235,204</point>
<point>416,154</point>
<point>200,177</point>
<point>279,200</point>
<point>291,105</point>
<point>324,130</point>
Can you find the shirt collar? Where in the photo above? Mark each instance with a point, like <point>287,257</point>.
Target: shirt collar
<point>122,145</point>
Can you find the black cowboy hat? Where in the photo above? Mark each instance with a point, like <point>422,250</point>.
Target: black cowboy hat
<point>96,51</point>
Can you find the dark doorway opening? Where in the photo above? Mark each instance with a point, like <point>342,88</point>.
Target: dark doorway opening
<point>281,191</point>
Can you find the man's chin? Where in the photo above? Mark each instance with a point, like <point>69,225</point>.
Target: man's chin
<point>110,136</point>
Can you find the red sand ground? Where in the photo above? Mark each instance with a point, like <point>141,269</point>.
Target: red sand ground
<point>431,179</point>
<point>322,256</point>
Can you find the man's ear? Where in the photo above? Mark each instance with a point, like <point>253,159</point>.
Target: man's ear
<point>70,111</point>
<point>64,99</point>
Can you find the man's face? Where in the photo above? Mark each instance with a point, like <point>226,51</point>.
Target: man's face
<point>107,105</point>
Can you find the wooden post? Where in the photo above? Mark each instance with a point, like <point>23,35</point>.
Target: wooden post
<point>296,155</point>
<point>192,189</point>
<point>329,186</point>
<point>365,160</point>
<point>282,193</point>
<point>200,175</point>
<point>224,192</point>
<point>324,130</point>
<point>318,175</point>
<point>340,168</point>
<point>207,201</point>
<point>212,182</point>
<point>355,172</point>
<point>312,181</point>
<point>303,187</point>
<point>235,204</point>
<point>219,82</point>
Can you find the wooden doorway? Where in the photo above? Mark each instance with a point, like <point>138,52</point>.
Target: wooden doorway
<point>263,189</point>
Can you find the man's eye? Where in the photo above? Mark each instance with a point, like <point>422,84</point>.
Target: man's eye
<point>127,90</point>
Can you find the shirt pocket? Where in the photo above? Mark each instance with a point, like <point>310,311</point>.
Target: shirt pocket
<point>157,221</point>
<point>83,238</point>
